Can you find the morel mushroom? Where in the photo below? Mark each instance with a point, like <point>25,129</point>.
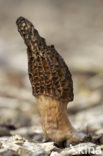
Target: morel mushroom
<point>52,85</point>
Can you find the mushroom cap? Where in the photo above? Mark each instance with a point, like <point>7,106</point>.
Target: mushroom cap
<point>48,72</point>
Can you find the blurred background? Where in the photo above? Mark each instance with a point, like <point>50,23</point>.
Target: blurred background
<point>76,30</point>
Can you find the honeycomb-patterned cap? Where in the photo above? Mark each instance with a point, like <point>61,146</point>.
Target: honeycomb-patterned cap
<point>48,73</point>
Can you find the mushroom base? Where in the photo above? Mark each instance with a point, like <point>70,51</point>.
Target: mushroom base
<point>54,120</point>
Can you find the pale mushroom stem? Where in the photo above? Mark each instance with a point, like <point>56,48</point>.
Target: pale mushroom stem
<point>55,122</point>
